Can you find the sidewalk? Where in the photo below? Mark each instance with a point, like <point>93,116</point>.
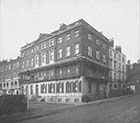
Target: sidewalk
<point>45,109</point>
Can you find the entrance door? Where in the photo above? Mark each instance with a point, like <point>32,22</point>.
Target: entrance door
<point>36,90</point>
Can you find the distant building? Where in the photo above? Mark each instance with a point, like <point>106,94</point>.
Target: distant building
<point>117,65</point>
<point>67,64</point>
<point>133,75</point>
<point>9,81</point>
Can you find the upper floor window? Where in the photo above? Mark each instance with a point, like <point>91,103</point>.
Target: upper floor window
<point>119,57</point>
<point>114,55</point>
<point>32,61</point>
<point>119,67</point>
<point>115,64</point>
<point>76,48</point>
<point>90,37</point>
<point>76,33</point>
<point>9,66</point>
<point>60,40</point>
<point>36,60</point>
<point>17,64</point>
<point>89,51</point>
<point>60,53</point>
<point>51,42</point>
<point>104,58</point>
<point>97,42</point>
<point>23,64</point>
<point>51,56</point>
<point>104,46</point>
<point>97,55</point>
<point>27,63</point>
<point>36,48</point>
<point>123,59</point>
<point>67,37</point>
<point>110,52</point>
<point>43,58</point>
<point>68,51</point>
<point>43,45</point>
<point>32,50</point>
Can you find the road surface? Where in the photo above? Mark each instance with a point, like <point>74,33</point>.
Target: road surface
<point>121,110</point>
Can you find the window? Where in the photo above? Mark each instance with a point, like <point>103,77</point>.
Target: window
<point>68,51</point>
<point>68,70</point>
<point>17,64</point>
<point>123,59</point>
<point>36,60</point>
<point>60,71</point>
<point>89,51</point>
<point>104,58</point>
<point>104,46</point>
<point>43,45</point>
<point>43,88</point>
<point>60,87</point>
<point>97,55</point>
<point>60,53</point>
<point>119,75</point>
<point>31,89</point>
<point>119,57</point>
<point>115,64</point>
<point>76,33</point>
<point>115,85</point>
<point>97,42</point>
<point>110,53</point>
<point>36,48</point>
<point>9,66</point>
<point>115,55</point>
<point>110,62</point>
<point>76,48</point>
<point>32,50</point>
<point>90,37</point>
<point>51,88</point>
<point>27,63</point>
<point>51,42</point>
<point>51,56</point>
<point>60,40</point>
<point>23,64</point>
<point>32,61</point>
<point>43,58</point>
<point>67,37</point>
<point>119,67</point>
<point>115,76</point>
<point>11,83</point>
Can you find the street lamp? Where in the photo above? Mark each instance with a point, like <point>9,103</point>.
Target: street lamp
<point>28,74</point>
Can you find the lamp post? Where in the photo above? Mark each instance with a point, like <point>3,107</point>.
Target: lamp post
<point>28,75</point>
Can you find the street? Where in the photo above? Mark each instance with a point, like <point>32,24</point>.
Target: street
<point>121,110</point>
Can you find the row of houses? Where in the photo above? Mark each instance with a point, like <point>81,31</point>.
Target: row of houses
<point>74,61</point>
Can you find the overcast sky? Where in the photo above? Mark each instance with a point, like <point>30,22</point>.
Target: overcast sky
<point>21,21</point>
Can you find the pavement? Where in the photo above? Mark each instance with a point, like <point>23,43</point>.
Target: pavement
<point>125,109</point>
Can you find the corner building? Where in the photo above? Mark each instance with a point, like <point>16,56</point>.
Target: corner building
<point>67,64</point>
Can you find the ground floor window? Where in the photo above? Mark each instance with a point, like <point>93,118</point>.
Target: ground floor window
<point>43,88</point>
<point>51,88</point>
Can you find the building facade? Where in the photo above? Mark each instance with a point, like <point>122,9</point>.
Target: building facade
<point>117,65</point>
<point>133,76</point>
<point>67,64</point>
<point>9,76</point>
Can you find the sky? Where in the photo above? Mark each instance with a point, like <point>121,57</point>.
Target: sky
<point>21,22</point>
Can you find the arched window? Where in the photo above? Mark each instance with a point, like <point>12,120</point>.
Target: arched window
<point>79,86</point>
<point>67,87</point>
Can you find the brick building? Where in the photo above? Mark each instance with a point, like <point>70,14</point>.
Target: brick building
<point>9,80</point>
<point>66,64</point>
<point>117,65</point>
